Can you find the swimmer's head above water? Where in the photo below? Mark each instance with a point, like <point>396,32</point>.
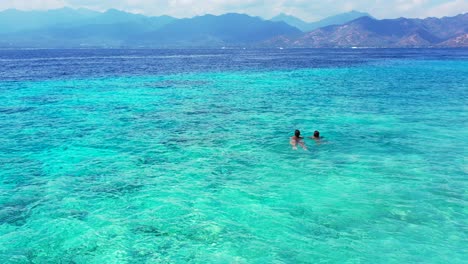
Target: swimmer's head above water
<point>316,134</point>
<point>297,140</point>
<point>297,133</point>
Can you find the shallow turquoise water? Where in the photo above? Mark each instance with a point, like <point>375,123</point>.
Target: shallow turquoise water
<point>197,167</point>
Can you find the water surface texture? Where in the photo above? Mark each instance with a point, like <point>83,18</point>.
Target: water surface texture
<point>182,156</point>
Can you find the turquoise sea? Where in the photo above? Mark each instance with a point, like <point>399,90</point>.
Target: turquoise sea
<point>183,156</point>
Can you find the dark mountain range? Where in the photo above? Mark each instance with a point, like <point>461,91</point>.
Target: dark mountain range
<point>85,28</point>
<point>401,32</point>
<point>80,28</point>
<point>228,29</point>
<point>309,26</point>
<point>12,20</point>
<point>459,41</point>
<point>293,21</point>
<point>68,27</point>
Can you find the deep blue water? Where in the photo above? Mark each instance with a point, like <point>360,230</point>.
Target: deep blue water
<point>89,63</point>
<point>183,156</point>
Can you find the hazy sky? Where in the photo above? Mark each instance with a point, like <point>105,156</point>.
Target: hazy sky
<point>306,9</point>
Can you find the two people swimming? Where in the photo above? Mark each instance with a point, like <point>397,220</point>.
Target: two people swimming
<point>298,140</point>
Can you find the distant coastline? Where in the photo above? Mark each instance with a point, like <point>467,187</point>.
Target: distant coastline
<point>69,28</point>
<point>232,48</point>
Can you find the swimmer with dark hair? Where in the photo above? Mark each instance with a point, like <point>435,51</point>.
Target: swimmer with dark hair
<point>297,140</point>
<point>316,136</point>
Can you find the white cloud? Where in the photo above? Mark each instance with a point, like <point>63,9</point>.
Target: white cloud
<point>449,9</point>
<point>32,4</point>
<point>407,5</point>
<point>307,9</point>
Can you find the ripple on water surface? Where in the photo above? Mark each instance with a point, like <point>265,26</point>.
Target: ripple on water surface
<point>196,167</point>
